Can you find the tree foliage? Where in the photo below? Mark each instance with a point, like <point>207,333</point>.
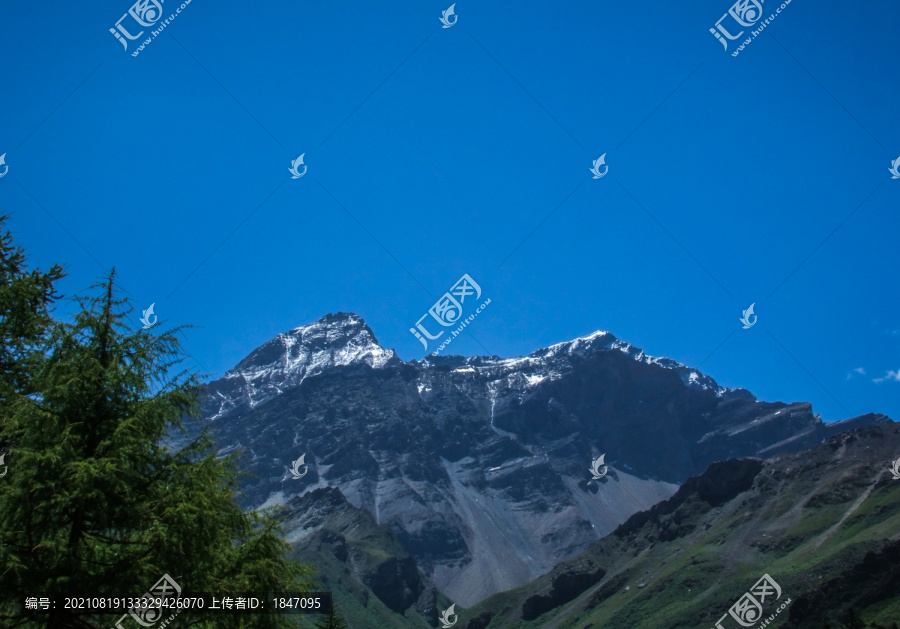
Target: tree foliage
<point>95,501</point>
<point>331,620</point>
<point>851,620</point>
<point>25,301</point>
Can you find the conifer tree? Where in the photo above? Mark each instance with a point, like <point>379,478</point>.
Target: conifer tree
<point>25,300</point>
<point>851,620</point>
<point>331,620</point>
<point>96,501</point>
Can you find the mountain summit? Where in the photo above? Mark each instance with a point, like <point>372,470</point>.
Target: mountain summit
<point>479,466</point>
<point>335,340</point>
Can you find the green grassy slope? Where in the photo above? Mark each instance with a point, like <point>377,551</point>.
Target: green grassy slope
<point>825,524</point>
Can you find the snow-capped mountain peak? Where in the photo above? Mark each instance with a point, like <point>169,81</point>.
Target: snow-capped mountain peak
<point>606,341</point>
<point>335,340</point>
<point>597,340</point>
<point>343,339</point>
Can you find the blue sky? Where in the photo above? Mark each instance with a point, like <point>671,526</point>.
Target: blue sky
<point>432,152</point>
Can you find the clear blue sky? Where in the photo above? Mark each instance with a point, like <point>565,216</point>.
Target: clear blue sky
<point>435,152</point>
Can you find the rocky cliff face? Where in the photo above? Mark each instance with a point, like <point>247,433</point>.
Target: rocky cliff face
<point>480,465</point>
<point>373,580</point>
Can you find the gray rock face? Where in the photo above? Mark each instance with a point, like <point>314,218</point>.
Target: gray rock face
<point>480,465</point>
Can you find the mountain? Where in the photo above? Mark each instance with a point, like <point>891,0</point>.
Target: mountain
<point>824,524</point>
<point>479,466</point>
<point>374,582</point>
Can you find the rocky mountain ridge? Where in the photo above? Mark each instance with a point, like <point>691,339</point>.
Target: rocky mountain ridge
<point>479,466</point>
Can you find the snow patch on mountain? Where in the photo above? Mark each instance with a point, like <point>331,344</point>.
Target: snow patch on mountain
<point>527,372</point>
<point>606,341</point>
<point>344,339</point>
<point>288,359</point>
